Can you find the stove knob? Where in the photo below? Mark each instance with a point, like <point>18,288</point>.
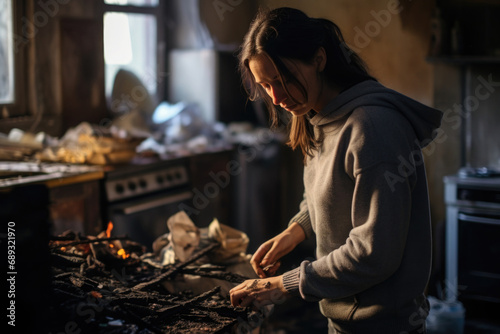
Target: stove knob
<point>169,177</point>
<point>178,175</point>
<point>159,179</point>
<point>119,188</point>
<point>143,184</point>
<point>464,195</point>
<point>132,186</point>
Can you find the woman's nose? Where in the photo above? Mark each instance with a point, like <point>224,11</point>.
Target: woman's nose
<point>278,95</point>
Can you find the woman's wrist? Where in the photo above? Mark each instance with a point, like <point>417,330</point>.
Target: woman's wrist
<point>296,232</point>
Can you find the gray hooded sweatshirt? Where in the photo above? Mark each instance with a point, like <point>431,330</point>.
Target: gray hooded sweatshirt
<point>366,202</point>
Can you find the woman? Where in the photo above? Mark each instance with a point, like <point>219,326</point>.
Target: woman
<point>365,198</point>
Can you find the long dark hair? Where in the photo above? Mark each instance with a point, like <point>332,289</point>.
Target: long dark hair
<point>288,33</point>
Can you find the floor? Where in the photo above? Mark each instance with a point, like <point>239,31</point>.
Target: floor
<point>481,327</point>
<point>297,317</point>
<point>482,318</point>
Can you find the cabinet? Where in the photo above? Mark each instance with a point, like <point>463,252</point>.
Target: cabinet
<point>58,200</point>
<point>476,112</point>
<point>212,177</point>
<point>466,28</point>
<point>76,207</point>
<point>465,50</point>
<point>25,221</point>
<point>471,138</point>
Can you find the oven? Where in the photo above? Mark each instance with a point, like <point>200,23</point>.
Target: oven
<point>141,197</point>
<point>473,239</point>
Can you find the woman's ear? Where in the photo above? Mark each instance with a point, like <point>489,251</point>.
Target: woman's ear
<point>320,59</point>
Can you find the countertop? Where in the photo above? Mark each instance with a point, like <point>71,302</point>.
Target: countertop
<point>487,182</point>
<point>14,174</point>
<point>18,173</point>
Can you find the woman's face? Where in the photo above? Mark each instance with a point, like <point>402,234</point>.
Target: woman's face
<point>308,75</point>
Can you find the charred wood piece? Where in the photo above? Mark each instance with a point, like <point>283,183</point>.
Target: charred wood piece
<point>143,299</point>
<point>219,274</point>
<point>127,314</point>
<point>88,241</point>
<point>61,260</point>
<point>175,268</point>
<point>169,311</point>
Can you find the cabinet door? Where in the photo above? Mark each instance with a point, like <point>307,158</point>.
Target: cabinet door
<point>76,207</point>
<point>212,178</point>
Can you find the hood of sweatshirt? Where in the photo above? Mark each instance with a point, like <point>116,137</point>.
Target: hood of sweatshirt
<point>424,120</point>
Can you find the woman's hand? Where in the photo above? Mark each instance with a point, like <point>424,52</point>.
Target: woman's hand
<point>259,292</point>
<point>268,254</point>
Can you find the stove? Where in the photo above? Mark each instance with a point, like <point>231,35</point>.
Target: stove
<point>137,181</point>
<point>479,172</point>
<point>141,197</point>
<point>472,199</point>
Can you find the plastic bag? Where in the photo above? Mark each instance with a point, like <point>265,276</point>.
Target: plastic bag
<point>445,317</point>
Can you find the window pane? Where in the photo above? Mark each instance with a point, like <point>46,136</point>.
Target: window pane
<point>130,43</point>
<point>6,53</point>
<point>150,3</point>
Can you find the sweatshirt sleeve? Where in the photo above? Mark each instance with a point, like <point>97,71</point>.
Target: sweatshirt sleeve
<point>291,281</point>
<point>374,248</point>
<point>302,218</point>
<point>291,278</point>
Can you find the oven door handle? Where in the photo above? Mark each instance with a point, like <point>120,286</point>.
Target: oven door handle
<point>155,203</point>
<point>476,219</point>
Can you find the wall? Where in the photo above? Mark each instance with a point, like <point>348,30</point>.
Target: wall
<point>443,157</point>
<point>393,38</point>
<point>484,143</point>
<point>64,64</point>
<point>227,21</point>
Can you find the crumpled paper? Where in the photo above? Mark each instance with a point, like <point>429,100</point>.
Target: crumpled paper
<point>233,243</point>
<point>91,144</point>
<point>184,235</point>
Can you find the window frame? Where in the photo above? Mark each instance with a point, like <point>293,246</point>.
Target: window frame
<point>26,113</point>
<point>19,110</point>
<point>161,43</point>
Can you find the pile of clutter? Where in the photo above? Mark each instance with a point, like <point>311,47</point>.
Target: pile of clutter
<point>83,144</point>
<point>184,238</point>
<point>180,287</point>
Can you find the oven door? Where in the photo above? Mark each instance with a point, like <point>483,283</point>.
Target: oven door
<point>479,254</point>
<point>145,219</point>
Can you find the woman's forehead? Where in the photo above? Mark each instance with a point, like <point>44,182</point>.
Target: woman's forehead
<point>262,68</point>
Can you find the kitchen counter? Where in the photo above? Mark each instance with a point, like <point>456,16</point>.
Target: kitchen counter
<point>13,174</point>
<point>18,173</point>
<point>485,182</point>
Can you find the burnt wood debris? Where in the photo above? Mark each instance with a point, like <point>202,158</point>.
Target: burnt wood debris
<point>107,285</point>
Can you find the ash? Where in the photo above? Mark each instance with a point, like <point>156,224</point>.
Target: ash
<point>105,285</point>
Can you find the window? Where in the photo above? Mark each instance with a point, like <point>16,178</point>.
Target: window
<point>13,47</point>
<point>132,41</point>
<point>6,53</point>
